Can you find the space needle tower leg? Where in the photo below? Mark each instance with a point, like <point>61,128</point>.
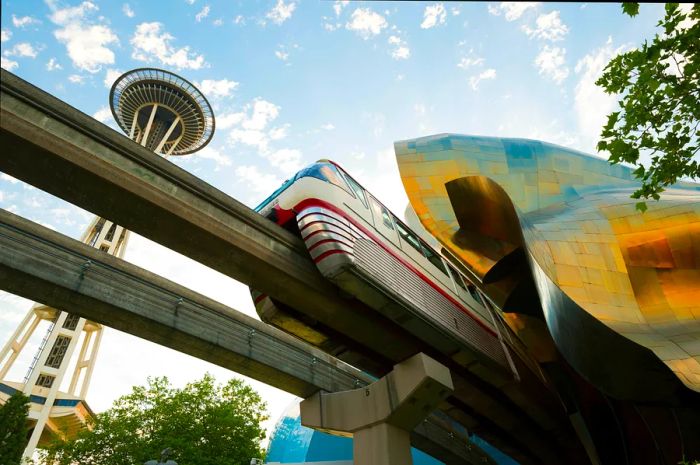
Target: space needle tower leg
<point>382,415</point>
<point>168,115</point>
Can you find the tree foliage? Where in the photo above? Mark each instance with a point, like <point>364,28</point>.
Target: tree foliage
<point>659,109</point>
<point>13,428</point>
<point>204,423</point>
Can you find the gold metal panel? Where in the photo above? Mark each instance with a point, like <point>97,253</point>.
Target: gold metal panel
<point>638,273</point>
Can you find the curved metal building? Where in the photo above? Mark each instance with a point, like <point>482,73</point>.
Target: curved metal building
<point>605,296</point>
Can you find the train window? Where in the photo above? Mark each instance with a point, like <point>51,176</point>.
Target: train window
<point>325,172</point>
<point>380,210</point>
<point>474,293</point>
<point>359,191</point>
<point>457,277</point>
<point>407,236</point>
<point>433,257</point>
<point>386,217</point>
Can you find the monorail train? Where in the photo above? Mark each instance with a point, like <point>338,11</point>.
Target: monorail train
<point>359,245</point>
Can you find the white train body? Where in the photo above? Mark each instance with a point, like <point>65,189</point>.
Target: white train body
<point>363,248</point>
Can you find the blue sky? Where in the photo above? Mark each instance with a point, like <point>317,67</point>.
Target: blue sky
<point>292,81</point>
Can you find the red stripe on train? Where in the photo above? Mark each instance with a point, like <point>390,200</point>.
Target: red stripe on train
<point>327,231</point>
<point>329,253</point>
<point>326,241</point>
<point>307,203</point>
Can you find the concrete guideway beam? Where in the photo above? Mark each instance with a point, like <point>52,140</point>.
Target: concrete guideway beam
<point>51,268</point>
<point>381,416</point>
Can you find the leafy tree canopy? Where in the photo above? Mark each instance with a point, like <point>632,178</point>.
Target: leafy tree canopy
<point>13,428</point>
<point>204,423</point>
<point>659,109</point>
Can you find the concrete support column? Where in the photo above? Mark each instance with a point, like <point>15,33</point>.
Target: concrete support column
<point>382,415</point>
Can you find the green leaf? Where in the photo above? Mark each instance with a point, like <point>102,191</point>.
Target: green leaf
<point>631,9</point>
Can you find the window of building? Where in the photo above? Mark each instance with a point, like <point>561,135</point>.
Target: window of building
<point>71,321</point>
<point>58,351</point>
<point>110,234</point>
<point>45,381</point>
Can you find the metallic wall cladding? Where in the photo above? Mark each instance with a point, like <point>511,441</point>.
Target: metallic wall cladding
<point>637,274</point>
<point>423,301</point>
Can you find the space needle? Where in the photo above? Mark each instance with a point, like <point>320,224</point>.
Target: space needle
<point>169,116</point>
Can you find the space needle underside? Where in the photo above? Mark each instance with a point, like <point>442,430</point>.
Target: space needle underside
<point>162,111</point>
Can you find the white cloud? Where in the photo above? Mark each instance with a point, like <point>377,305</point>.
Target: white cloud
<point>339,5</point>
<point>686,9</point>
<point>551,63</point>
<point>86,43</point>
<point>52,65</point>
<point>103,115</point>
<point>220,88</point>
<point>433,15</point>
<point>229,120</point>
<point>252,124</point>
<point>401,50</point>
<point>76,78</point>
<point>288,161</point>
<point>282,55</point>
<point>23,49</point>
<point>218,22</point>
<point>128,12</point>
<point>202,14</point>
<point>8,178</point>
<point>327,127</point>
<point>512,10</point>
<point>468,62</point>
<point>151,42</point>
<point>24,21</point>
<point>366,22</point>
<point>6,35</point>
<point>190,2</point>
<point>211,153</point>
<point>110,76</point>
<point>250,137</point>
<point>591,103</point>
<point>8,64</point>
<point>279,132</point>
<point>239,20</point>
<point>260,183</point>
<point>281,12</point>
<point>264,112</point>
<point>455,11</point>
<point>549,27</point>
<point>483,76</point>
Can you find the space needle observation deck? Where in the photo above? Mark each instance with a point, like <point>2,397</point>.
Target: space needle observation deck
<point>162,111</point>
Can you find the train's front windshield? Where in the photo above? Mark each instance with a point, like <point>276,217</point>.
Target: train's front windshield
<point>325,172</point>
<point>321,170</point>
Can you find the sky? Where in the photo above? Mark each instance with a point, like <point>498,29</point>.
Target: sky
<point>293,81</point>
